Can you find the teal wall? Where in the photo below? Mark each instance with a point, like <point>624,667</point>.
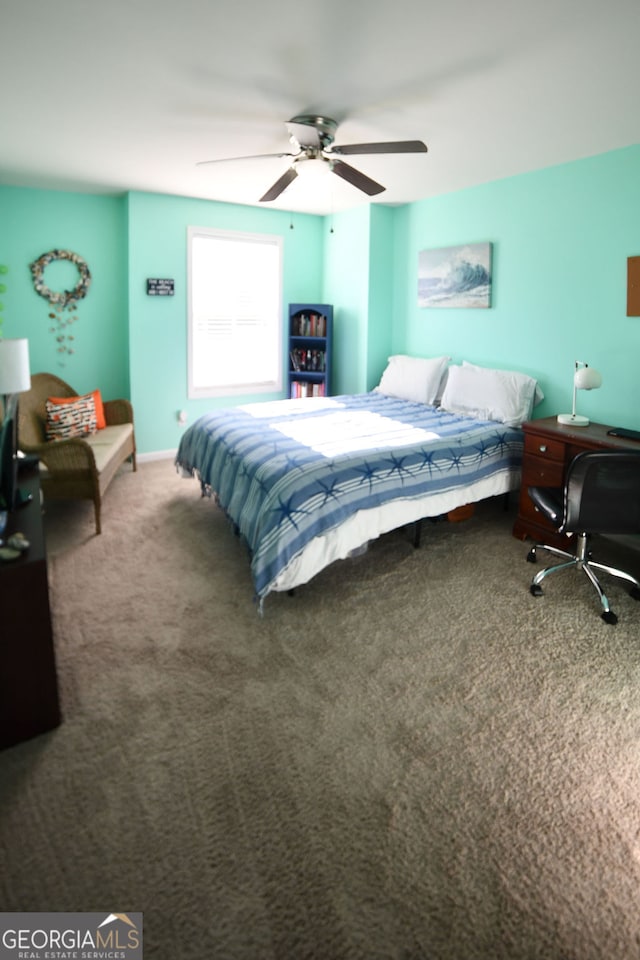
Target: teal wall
<point>358,280</point>
<point>127,343</point>
<point>33,222</point>
<point>382,322</point>
<point>157,244</point>
<point>561,238</point>
<point>346,286</point>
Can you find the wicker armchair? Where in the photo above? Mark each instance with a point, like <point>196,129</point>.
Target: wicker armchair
<point>77,468</point>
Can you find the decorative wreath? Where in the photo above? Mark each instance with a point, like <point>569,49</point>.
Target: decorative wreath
<point>67,296</point>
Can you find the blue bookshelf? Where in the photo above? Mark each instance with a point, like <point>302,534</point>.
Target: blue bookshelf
<point>310,345</point>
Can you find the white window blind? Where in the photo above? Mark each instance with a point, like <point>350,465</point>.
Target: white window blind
<point>235,312</point>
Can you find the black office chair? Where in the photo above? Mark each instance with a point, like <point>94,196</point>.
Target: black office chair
<point>601,494</point>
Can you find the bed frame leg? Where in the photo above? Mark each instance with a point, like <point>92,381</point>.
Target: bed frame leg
<point>417,533</point>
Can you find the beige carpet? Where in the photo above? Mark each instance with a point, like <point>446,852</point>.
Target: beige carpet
<point>410,758</point>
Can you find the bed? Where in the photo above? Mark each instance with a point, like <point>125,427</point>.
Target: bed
<point>307,482</point>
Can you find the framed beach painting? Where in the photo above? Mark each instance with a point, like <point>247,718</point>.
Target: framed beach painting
<point>455,276</point>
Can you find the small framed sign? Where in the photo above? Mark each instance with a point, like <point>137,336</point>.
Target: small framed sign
<point>160,288</point>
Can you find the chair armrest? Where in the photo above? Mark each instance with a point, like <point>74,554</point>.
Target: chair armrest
<point>65,456</point>
<point>118,411</point>
<point>549,500</point>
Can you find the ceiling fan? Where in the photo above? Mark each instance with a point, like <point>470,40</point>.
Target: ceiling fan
<point>312,139</point>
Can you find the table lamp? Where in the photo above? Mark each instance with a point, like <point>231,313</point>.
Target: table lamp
<point>15,376</point>
<point>584,378</point>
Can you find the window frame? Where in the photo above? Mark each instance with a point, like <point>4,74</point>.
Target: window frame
<point>252,386</point>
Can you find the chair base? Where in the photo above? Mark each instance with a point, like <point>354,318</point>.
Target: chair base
<point>581,559</point>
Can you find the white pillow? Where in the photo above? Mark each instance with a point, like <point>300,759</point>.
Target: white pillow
<point>502,395</point>
<point>413,378</point>
<point>538,396</point>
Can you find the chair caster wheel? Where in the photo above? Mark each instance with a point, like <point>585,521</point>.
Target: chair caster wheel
<point>531,556</point>
<point>609,617</point>
<point>535,590</point>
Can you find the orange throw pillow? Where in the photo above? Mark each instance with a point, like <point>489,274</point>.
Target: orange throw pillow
<point>75,419</point>
<point>97,398</point>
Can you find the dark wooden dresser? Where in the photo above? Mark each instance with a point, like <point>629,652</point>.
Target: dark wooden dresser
<point>29,703</point>
<point>549,447</point>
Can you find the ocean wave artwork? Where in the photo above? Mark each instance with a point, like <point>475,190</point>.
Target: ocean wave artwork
<point>455,276</point>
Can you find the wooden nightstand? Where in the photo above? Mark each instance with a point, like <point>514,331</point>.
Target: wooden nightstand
<point>549,447</point>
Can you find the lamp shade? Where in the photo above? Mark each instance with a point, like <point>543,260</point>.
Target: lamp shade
<point>15,376</point>
<point>586,378</point>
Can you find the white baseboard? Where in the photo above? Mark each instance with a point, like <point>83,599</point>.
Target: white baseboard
<point>156,455</point>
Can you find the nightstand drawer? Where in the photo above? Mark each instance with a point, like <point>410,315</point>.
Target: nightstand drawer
<point>537,446</point>
<point>539,472</point>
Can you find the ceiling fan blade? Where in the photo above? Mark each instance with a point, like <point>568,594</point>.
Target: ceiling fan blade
<point>281,184</point>
<point>253,156</point>
<point>356,178</point>
<point>394,146</point>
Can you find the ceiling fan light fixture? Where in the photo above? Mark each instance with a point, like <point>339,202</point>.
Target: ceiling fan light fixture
<point>312,168</point>
<point>312,137</point>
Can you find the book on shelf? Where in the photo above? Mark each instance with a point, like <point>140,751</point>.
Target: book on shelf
<point>304,388</point>
<point>308,360</point>
<point>309,325</point>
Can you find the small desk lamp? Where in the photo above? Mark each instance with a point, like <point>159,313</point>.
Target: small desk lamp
<point>584,378</point>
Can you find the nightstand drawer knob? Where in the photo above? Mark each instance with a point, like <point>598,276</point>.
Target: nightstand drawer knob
<point>543,448</point>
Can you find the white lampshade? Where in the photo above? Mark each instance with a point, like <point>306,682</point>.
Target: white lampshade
<point>586,378</point>
<point>15,376</point>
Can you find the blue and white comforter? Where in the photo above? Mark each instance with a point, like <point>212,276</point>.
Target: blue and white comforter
<point>288,471</point>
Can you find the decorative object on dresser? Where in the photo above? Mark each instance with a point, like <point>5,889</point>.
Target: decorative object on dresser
<point>600,494</point>
<point>584,378</point>
<point>80,440</point>
<point>310,346</point>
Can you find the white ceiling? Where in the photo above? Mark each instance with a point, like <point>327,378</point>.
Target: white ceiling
<point>130,94</point>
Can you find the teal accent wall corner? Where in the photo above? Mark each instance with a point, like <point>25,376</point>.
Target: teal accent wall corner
<point>358,280</point>
<point>561,238</point>
<point>382,322</point>
<point>346,286</point>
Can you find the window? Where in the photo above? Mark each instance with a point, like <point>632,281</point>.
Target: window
<point>235,312</point>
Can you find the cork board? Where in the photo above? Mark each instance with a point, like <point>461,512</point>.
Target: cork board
<point>633,286</point>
